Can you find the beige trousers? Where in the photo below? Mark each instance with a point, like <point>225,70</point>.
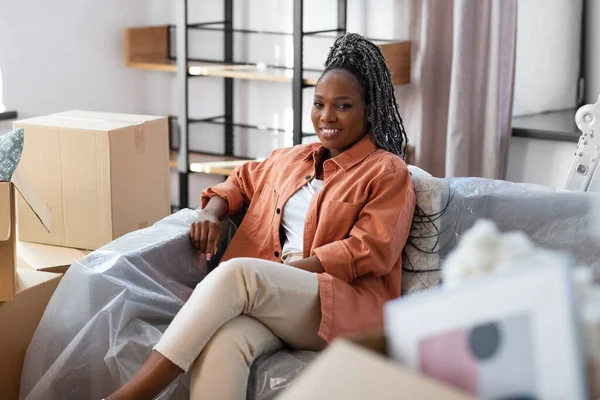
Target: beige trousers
<point>244,308</point>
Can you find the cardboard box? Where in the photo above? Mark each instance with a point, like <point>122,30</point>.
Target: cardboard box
<point>102,175</point>
<point>359,369</point>
<point>7,242</point>
<point>18,322</point>
<point>46,258</point>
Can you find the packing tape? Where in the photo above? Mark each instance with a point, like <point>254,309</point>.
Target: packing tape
<point>32,197</point>
<point>95,119</point>
<point>140,144</point>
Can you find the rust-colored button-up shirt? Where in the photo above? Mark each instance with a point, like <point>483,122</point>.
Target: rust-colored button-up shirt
<point>357,225</point>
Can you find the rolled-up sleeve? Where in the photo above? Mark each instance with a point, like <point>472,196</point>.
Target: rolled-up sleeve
<point>239,187</point>
<point>380,233</point>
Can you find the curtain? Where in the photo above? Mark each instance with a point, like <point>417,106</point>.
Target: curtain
<point>457,109</point>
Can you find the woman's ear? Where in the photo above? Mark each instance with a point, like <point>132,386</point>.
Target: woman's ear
<point>368,114</point>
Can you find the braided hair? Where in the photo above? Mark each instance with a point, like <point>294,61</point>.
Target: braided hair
<point>365,61</point>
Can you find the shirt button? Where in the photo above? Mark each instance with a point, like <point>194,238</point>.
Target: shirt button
<point>276,254</point>
<point>307,177</point>
<point>278,211</point>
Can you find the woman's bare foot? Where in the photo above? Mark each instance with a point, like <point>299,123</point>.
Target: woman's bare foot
<point>151,379</point>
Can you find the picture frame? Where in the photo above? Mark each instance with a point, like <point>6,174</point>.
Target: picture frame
<point>509,335</point>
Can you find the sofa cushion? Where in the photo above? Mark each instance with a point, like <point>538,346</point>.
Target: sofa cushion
<point>11,148</point>
<point>421,262</point>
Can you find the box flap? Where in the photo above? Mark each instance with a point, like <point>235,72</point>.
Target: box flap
<point>42,257</point>
<point>28,279</point>
<point>33,199</point>
<point>5,216</point>
<point>347,371</point>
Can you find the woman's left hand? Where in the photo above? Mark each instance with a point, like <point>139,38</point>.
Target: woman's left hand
<point>310,264</point>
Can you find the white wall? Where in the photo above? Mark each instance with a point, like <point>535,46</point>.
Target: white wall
<point>61,54</point>
<point>69,54</point>
<point>547,58</point>
<point>546,79</point>
<point>543,162</point>
<point>592,69</point>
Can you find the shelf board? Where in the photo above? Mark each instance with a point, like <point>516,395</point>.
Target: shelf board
<point>224,168</point>
<point>251,72</point>
<point>156,64</point>
<point>220,120</point>
<point>208,163</point>
<point>222,27</point>
<point>148,48</point>
<point>555,125</point>
<point>199,158</point>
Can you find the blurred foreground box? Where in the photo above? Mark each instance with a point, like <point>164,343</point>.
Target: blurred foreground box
<point>358,368</point>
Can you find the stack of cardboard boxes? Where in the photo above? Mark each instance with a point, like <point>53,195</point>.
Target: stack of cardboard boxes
<point>84,179</point>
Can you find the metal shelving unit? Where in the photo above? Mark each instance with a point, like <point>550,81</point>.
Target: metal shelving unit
<point>227,69</point>
<point>167,48</point>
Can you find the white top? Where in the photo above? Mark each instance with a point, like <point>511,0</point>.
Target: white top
<point>294,215</point>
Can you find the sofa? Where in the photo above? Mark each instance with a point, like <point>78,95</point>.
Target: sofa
<point>113,305</point>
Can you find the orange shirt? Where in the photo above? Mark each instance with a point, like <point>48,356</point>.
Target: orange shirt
<point>357,225</point>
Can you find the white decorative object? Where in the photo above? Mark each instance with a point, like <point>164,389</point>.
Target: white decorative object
<point>495,337</point>
<point>483,250</point>
<point>505,323</point>
<point>582,176</point>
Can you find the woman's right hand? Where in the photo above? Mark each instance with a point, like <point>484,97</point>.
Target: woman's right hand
<point>205,233</point>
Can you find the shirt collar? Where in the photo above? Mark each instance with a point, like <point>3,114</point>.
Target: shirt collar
<point>350,157</point>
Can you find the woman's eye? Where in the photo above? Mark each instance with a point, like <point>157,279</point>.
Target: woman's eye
<point>345,105</point>
<point>317,104</point>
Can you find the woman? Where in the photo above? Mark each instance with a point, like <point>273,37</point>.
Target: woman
<point>320,249</point>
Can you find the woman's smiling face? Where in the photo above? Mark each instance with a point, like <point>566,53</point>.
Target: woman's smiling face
<point>339,113</point>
